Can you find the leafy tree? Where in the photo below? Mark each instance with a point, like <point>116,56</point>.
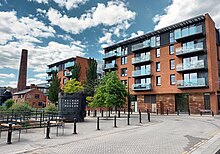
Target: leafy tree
<point>54,89</point>
<point>72,86</point>
<point>9,103</point>
<point>18,107</point>
<point>91,77</point>
<point>76,69</point>
<point>110,93</point>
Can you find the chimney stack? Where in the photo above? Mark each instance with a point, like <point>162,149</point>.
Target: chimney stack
<point>22,78</point>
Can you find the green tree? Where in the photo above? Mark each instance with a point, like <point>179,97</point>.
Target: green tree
<point>76,70</point>
<point>110,93</point>
<point>54,89</point>
<point>9,103</point>
<point>91,77</point>
<point>72,86</point>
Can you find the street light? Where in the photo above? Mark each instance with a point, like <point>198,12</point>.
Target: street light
<point>129,101</point>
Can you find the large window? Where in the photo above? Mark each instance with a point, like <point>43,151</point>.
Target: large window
<point>157,66</point>
<point>158,41</point>
<point>172,64</point>
<point>124,72</point>
<point>171,49</point>
<point>172,37</point>
<point>124,51</point>
<point>124,82</point>
<point>150,99</point>
<point>172,79</point>
<point>207,101</point>
<point>158,52</point>
<point>158,81</point>
<point>124,60</point>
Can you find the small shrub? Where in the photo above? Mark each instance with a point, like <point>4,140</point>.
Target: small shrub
<point>9,103</point>
<point>2,108</point>
<point>51,108</point>
<point>25,106</point>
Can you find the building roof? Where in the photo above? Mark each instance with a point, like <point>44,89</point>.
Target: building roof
<point>23,92</point>
<point>62,62</point>
<point>43,85</point>
<point>157,32</point>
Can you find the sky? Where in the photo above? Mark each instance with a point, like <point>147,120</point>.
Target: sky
<point>54,30</point>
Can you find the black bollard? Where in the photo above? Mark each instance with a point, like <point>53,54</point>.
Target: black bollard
<point>115,122</point>
<point>178,112</point>
<point>119,114</point>
<point>88,112</point>
<point>74,126</point>
<point>167,111</point>
<point>9,133</point>
<point>109,113</point>
<point>212,113</point>
<point>95,113</point>
<point>102,113</point>
<point>139,116</point>
<point>43,115</point>
<point>189,112</point>
<point>128,118</point>
<point>124,111</point>
<point>48,130</point>
<point>157,111</point>
<point>148,116</point>
<point>100,110</point>
<point>201,113</point>
<point>98,123</point>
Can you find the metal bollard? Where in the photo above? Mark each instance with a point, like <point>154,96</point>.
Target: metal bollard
<point>189,112</point>
<point>48,130</point>
<point>115,122</point>
<point>95,113</point>
<point>111,111</point>
<point>139,116</point>
<point>128,118</point>
<point>201,113</point>
<point>178,112</point>
<point>9,133</point>
<point>212,113</point>
<point>167,111</point>
<point>148,116</point>
<point>119,114</point>
<point>157,111</point>
<point>88,112</point>
<point>109,114</point>
<point>74,126</point>
<point>102,113</point>
<point>98,123</point>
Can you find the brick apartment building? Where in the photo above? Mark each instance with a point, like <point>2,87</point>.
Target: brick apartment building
<point>174,68</point>
<point>63,69</point>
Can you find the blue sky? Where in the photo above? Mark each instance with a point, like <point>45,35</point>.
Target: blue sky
<point>54,30</point>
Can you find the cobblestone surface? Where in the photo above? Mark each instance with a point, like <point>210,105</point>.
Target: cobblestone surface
<point>164,134</point>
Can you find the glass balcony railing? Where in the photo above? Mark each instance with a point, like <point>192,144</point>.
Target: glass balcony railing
<point>141,86</point>
<point>110,65</point>
<point>138,73</point>
<point>68,74</point>
<point>192,83</point>
<point>50,70</point>
<point>184,33</point>
<point>200,64</point>
<point>141,59</point>
<point>139,46</point>
<point>69,64</point>
<point>111,54</point>
<point>48,78</point>
<point>195,48</point>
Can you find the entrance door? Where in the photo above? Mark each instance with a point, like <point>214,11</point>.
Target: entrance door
<point>182,102</point>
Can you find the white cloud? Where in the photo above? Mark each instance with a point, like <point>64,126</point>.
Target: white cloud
<point>139,33</point>
<point>0,4</point>
<point>113,14</point>
<point>181,10</point>
<point>107,38</point>
<point>11,75</point>
<point>1,81</point>
<point>41,11</point>
<point>65,37</point>
<point>40,1</point>
<point>24,29</point>
<point>41,75</point>
<point>30,81</point>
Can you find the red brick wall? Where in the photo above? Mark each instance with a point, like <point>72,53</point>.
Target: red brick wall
<point>196,102</point>
<point>84,66</point>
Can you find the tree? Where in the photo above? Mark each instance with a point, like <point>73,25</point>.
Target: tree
<point>72,86</point>
<point>9,103</point>
<point>110,93</point>
<point>91,77</point>
<point>54,89</point>
<point>76,69</point>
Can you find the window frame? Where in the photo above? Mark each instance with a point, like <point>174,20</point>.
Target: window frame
<point>157,79</point>
<point>172,83</point>
<point>158,68</point>
<point>123,74</point>
<point>171,53</point>
<point>172,68</point>
<point>157,55</point>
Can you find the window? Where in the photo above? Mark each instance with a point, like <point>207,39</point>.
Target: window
<point>172,64</point>
<point>40,104</point>
<point>158,80</point>
<point>157,66</point>
<point>172,79</point>
<point>207,101</point>
<point>158,41</point>
<point>124,72</point>
<point>124,51</point>
<point>153,41</point>
<point>158,53</point>
<point>124,82</point>
<point>37,96</point>
<point>177,33</point>
<point>171,49</point>
<point>124,60</point>
<point>172,37</point>
<point>150,99</point>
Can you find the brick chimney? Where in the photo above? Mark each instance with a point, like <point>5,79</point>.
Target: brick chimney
<point>22,78</point>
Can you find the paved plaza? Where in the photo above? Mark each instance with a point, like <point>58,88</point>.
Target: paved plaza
<point>164,134</point>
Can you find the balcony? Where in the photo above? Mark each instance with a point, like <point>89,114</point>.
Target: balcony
<point>49,78</point>
<point>68,74</point>
<point>111,54</point>
<point>192,32</point>
<point>192,83</point>
<point>51,70</point>
<point>139,46</point>
<point>200,64</point>
<point>198,47</point>
<point>140,73</point>
<point>141,87</point>
<point>110,66</point>
<point>141,59</point>
<point>69,64</point>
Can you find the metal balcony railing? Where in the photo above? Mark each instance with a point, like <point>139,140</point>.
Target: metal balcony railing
<point>110,65</point>
<point>138,73</point>
<point>196,48</point>
<point>192,83</point>
<point>200,64</point>
<point>141,59</point>
<point>142,86</point>
<point>69,64</point>
<point>139,46</point>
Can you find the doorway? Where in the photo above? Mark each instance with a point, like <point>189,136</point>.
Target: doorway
<point>182,102</point>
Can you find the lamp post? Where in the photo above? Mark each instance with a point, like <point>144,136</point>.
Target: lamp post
<point>129,101</point>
